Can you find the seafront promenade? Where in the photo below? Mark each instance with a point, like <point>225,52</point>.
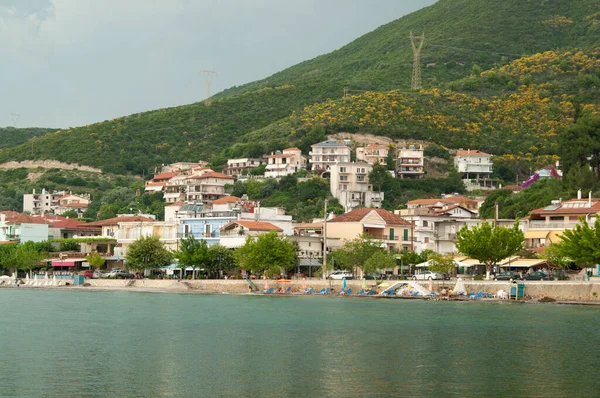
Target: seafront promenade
<point>575,291</point>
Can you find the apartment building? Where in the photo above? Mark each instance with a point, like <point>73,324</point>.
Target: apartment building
<point>349,184</point>
<point>286,162</point>
<point>476,168</point>
<point>327,153</point>
<point>410,162</point>
<point>372,153</point>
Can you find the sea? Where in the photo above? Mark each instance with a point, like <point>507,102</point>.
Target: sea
<point>65,343</point>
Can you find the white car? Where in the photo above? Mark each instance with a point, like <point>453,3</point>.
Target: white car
<point>426,275</point>
<point>340,275</point>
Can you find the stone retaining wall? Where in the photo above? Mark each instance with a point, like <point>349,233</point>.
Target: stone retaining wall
<point>558,290</point>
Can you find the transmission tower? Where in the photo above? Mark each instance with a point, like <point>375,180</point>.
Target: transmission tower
<point>416,74</point>
<point>209,75</point>
<point>15,118</point>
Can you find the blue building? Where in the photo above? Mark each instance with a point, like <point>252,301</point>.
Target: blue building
<point>203,224</point>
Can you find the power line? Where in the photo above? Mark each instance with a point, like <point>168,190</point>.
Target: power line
<point>15,118</point>
<point>475,50</point>
<point>416,73</point>
<point>209,76</point>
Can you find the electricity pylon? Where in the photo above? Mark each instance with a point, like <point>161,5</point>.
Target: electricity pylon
<point>416,73</point>
<point>209,75</point>
<point>15,118</point>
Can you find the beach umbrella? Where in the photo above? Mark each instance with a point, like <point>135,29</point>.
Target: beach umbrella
<point>303,283</point>
<point>364,284</point>
<point>344,283</point>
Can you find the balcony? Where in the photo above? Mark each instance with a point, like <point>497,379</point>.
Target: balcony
<point>552,224</point>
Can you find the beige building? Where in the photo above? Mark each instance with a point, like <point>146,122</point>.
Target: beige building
<point>129,232</point>
<point>373,153</point>
<point>410,162</point>
<point>55,202</point>
<point>327,153</point>
<point>280,164</point>
<point>242,166</point>
<point>207,186</point>
<point>234,234</point>
<point>349,184</point>
<point>393,231</point>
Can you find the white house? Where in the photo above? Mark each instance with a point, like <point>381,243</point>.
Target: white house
<point>476,168</point>
<point>280,164</point>
<point>410,162</point>
<point>372,153</point>
<point>327,153</point>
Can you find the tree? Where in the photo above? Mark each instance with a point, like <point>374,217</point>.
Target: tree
<point>580,143</point>
<point>489,244</point>
<point>269,253</point>
<point>390,159</point>
<point>192,253</point>
<point>147,252</point>
<point>25,256</point>
<point>221,258</point>
<point>581,244</point>
<point>378,176</point>
<point>554,257</point>
<point>355,253</point>
<point>378,261</point>
<point>95,260</point>
<point>441,263</point>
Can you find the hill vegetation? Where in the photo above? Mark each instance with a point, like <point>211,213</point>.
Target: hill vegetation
<point>11,136</point>
<point>473,97</point>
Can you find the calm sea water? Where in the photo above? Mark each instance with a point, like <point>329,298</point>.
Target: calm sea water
<point>73,343</point>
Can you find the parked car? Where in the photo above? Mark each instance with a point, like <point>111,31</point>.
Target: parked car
<point>122,274</point>
<point>340,275</point>
<point>507,275</point>
<point>87,274</point>
<point>539,276</point>
<point>371,277</point>
<point>425,275</point>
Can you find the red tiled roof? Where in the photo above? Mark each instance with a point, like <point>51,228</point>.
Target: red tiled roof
<point>27,219</point>
<point>226,199</point>
<point>471,152</point>
<point>423,201</point>
<point>116,220</point>
<point>256,225</point>
<point>71,223</point>
<point>175,204</point>
<point>361,212</point>
<point>458,199</point>
<point>165,176</point>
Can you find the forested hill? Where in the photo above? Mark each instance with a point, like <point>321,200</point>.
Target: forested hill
<point>464,40</point>
<point>11,136</point>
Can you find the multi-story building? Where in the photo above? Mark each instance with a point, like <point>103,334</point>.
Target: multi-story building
<point>372,153</point>
<point>158,182</point>
<point>392,230</point>
<point>410,162</point>
<point>272,215</point>
<point>183,167</point>
<point>15,227</point>
<point>349,184</point>
<point>207,186</point>
<point>129,232</point>
<point>55,202</point>
<point>242,166</point>
<point>446,201</point>
<point>546,225</point>
<point>476,168</point>
<point>327,153</point>
<point>280,164</point>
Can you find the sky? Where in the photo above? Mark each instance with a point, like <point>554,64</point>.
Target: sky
<point>67,63</point>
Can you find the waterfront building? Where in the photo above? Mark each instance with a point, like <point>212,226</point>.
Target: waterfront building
<point>234,234</point>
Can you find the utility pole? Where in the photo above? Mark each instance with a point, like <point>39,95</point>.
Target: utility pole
<point>324,269</point>
<point>416,73</point>
<point>209,75</point>
<point>15,118</point>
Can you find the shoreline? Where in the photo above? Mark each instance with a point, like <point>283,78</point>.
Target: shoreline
<point>563,292</point>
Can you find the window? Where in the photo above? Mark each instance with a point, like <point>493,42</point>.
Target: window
<point>342,169</point>
<point>392,232</point>
<point>207,229</point>
<point>426,240</point>
<point>343,178</point>
<point>406,234</point>
<point>425,223</point>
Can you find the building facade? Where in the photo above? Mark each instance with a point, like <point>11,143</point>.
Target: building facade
<point>410,162</point>
<point>349,184</point>
<point>372,153</point>
<point>280,164</point>
<point>327,153</point>
<point>476,168</point>
<point>242,166</point>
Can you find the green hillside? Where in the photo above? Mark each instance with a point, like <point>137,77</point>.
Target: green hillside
<point>11,136</point>
<point>462,37</point>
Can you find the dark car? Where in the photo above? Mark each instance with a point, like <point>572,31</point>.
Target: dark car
<point>507,275</point>
<point>124,275</point>
<point>539,276</point>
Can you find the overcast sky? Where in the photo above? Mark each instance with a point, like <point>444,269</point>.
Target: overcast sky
<point>74,62</point>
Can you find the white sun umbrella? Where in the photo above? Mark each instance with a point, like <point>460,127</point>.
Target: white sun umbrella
<point>46,279</point>
<point>54,280</point>
<point>460,289</point>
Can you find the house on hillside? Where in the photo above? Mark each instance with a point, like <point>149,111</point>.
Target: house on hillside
<point>286,162</point>
<point>372,153</point>
<point>158,182</point>
<point>241,166</point>
<point>476,168</point>
<point>15,227</point>
<point>349,184</point>
<point>55,202</point>
<point>327,153</point>
<point>207,186</point>
<point>392,230</point>
<point>410,162</point>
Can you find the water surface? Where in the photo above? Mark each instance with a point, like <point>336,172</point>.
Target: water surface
<point>74,343</point>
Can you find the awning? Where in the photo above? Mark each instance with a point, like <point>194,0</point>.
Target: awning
<point>555,236</point>
<point>536,234</point>
<point>373,225</point>
<point>63,263</point>
<point>524,263</point>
